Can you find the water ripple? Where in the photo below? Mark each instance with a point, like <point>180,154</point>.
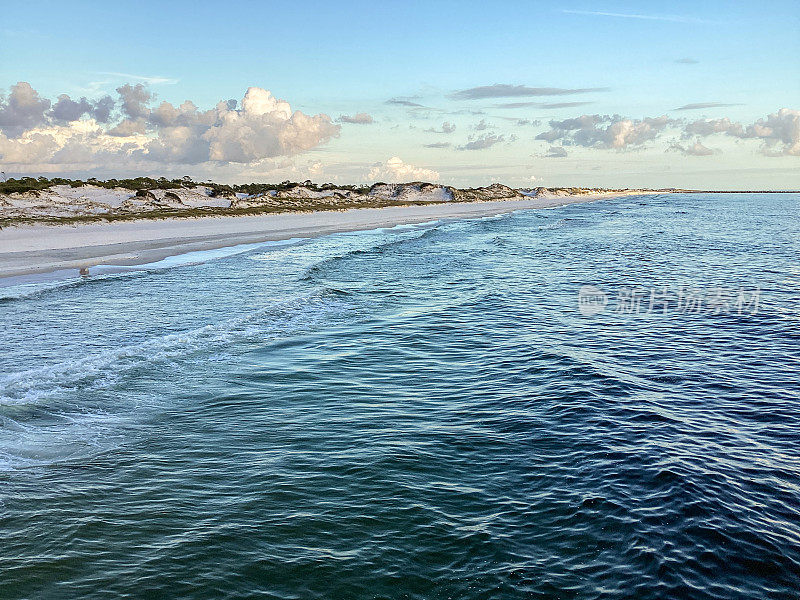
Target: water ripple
<point>415,413</point>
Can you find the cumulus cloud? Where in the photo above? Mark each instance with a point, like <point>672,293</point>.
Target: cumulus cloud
<point>711,126</point>
<point>264,127</point>
<point>129,127</point>
<point>66,110</point>
<point>27,148</point>
<point>395,170</point>
<point>22,109</point>
<point>83,141</point>
<point>604,131</point>
<point>357,119</point>
<point>482,142</point>
<point>438,145</point>
<point>503,90</point>
<point>699,105</point>
<point>779,132</point>
<point>134,100</point>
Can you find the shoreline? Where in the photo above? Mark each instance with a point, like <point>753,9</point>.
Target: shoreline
<point>29,250</point>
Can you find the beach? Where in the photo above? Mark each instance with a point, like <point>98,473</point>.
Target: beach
<point>38,249</point>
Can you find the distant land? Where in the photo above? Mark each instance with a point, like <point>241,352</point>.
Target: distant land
<point>63,201</point>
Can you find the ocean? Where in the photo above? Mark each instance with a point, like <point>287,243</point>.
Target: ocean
<point>594,401</point>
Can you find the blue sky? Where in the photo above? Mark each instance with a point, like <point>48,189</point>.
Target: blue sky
<point>638,60</point>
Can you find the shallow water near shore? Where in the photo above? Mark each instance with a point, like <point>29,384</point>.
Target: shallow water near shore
<point>589,401</point>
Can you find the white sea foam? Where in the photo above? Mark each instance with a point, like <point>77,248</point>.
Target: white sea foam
<point>63,410</point>
<point>105,368</point>
<point>29,285</point>
<point>75,408</point>
<point>198,256</point>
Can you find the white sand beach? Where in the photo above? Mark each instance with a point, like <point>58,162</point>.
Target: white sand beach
<point>34,249</point>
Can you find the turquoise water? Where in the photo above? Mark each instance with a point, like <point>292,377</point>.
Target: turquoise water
<point>419,412</point>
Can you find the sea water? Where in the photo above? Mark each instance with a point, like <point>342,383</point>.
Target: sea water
<point>598,400</point>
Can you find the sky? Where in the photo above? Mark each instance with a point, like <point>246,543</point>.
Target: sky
<point>563,93</point>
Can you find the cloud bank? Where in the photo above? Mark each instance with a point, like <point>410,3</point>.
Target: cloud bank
<point>779,132</point>
<point>605,131</point>
<point>107,131</point>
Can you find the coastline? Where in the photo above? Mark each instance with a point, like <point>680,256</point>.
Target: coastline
<point>27,250</point>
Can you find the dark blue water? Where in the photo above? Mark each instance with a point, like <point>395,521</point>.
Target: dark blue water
<point>422,412</point>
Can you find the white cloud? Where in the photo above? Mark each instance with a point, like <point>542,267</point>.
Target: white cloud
<point>711,126</point>
<point>315,169</point>
<point>265,127</point>
<point>604,131</point>
<point>779,132</point>
<point>395,170</point>
<point>82,141</point>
